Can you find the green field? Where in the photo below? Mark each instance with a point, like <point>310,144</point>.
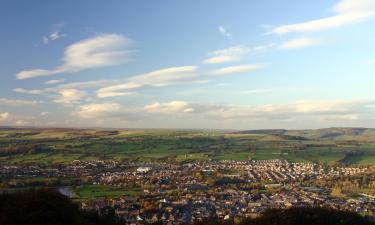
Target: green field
<point>62,146</point>
<point>87,192</point>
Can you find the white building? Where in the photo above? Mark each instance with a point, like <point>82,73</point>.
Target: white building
<point>143,169</point>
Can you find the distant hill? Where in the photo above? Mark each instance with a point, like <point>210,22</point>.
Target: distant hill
<point>266,131</point>
<point>325,133</point>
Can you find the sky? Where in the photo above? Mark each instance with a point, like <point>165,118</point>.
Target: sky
<point>210,64</point>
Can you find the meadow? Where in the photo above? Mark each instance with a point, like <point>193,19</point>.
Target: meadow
<point>62,146</point>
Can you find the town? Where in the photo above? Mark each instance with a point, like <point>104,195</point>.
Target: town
<point>181,193</point>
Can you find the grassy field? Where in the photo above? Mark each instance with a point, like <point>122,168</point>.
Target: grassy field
<point>87,192</point>
<point>51,146</point>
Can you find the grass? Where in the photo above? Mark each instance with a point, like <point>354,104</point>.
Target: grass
<point>150,145</point>
<point>193,156</point>
<point>87,192</point>
<point>361,160</point>
<point>239,156</point>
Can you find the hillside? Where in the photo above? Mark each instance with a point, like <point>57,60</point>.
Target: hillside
<point>325,133</point>
<point>62,146</point>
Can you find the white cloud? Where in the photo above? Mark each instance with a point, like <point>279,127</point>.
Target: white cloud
<point>36,73</point>
<point>55,81</point>
<point>237,69</point>
<point>156,78</point>
<point>24,91</point>
<point>112,94</point>
<point>85,84</point>
<point>226,55</point>
<point>260,91</point>
<point>169,107</point>
<point>97,110</point>
<point>17,102</point>
<point>74,85</point>
<point>308,110</point>
<point>276,90</point>
<point>55,34</point>
<point>224,31</point>
<point>34,91</point>
<point>4,116</point>
<point>221,59</point>
<point>100,51</point>
<point>299,43</point>
<point>261,48</point>
<point>44,113</point>
<point>71,93</point>
<point>22,123</point>
<point>69,96</point>
<point>185,114</point>
<point>346,12</point>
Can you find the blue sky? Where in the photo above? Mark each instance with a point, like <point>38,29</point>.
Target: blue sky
<point>187,64</point>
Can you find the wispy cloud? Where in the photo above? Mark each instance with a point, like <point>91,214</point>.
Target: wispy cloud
<point>276,90</point>
<point>55,34</point>
<point>237,69</point>
<point>85,84</point>
<point>100,51</point>
<point>157,78</point>
<point>18,102</point>
<point>224,31</point>
<point>73,85</point>
<point>262,48</point>
<point>226,55</point>
<point>261,91</point>
<point>34,91</point>
<point>169,107</point>
<point>55,81</point>
<point>98,110</point>
<point>299,43</point>
<point>346,12</point>
<point>343,109</point>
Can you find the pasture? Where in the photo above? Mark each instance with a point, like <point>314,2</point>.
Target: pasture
<point>62,146</point>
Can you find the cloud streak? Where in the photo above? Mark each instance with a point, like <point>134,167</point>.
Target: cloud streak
<point>54,81</point>
<point>232,54</point>
<point>157,78</point>
<point>18,102</point>
<point>346,12</point>
<point>237,69</point>
<point>299,43</point>
<point>100,51</point>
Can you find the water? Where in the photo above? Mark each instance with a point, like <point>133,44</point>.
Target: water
<point>65,191</point>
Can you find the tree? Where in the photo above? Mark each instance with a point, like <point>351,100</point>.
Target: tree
<point>336,191</point>
<point>48,207</point>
